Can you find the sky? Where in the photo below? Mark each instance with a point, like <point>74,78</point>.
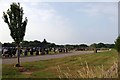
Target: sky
<point>66,22</point>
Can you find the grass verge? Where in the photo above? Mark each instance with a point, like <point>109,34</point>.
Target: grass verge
<point>97,65</point>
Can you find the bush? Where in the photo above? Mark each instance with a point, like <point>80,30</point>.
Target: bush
<point>117,44</point>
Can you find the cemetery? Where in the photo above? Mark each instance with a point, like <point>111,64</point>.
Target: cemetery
<point>22,59</point>
<point>9,50</point>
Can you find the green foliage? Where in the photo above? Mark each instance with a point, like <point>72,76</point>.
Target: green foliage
<point>83,45</point>
<point>13,17</point>
<point>117,44</point>
<point>110,45</point>
<point>8,45</point>
<point>94,45</point>
<point>102,45</point>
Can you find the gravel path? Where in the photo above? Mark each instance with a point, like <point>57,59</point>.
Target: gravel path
<point>43,57</point>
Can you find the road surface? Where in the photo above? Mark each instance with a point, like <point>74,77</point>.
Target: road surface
<point>43,57</point>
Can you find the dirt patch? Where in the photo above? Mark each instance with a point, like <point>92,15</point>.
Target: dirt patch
<point>25,71</point>
<point>22,69</point>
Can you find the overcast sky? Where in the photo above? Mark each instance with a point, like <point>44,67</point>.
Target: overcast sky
<point>66,22</point>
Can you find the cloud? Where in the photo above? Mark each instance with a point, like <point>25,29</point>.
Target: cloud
<point>43,22</point>
<point>4,30</point>
<point>106,11</point>
<point>98,9</point>
<point>46,21</point>
<point>64,0</point>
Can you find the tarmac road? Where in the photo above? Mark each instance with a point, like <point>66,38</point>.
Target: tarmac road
<point>43,57</point>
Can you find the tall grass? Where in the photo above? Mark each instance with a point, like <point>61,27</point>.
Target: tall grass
<point>87,71</point>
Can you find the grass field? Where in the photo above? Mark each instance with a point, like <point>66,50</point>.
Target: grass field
<point>97,65</point>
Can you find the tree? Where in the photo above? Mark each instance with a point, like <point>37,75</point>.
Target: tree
<point>94,45</point>
<point>8,45</point>
<point>43,46</point>
<point>110,45</point>
<point>83,45</point>
<point>37,43</point>
<point>0,45</point>
<point>101,45</point>
<point>117,44</point>
<point>25,44</point>
<point>13,17</point>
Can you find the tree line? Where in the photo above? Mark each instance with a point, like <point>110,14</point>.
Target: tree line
<point>37,43</point>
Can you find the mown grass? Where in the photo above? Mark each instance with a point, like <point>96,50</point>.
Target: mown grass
<point>82,66</point>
